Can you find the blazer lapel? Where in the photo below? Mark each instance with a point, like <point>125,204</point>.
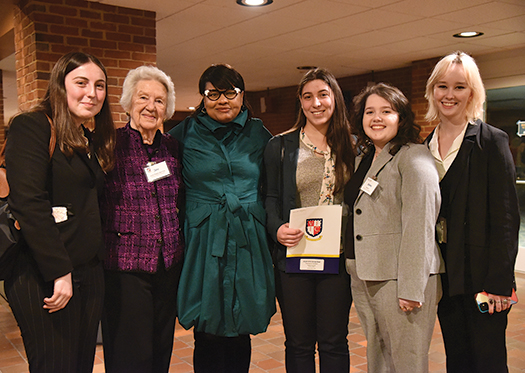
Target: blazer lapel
<point>459,167</point>
<point>377,165</point>
<point>291,145</point>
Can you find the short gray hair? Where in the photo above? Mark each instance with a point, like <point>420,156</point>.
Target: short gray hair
<point>147,73</point>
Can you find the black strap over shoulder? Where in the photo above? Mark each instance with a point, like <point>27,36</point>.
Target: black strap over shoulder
<point>281,178</point>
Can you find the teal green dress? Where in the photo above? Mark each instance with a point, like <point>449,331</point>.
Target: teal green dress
<point>227,286</point>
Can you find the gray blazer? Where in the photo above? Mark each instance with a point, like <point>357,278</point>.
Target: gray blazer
<point>395,225</point>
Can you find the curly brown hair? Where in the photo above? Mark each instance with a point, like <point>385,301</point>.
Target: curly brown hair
<point>408,131</point>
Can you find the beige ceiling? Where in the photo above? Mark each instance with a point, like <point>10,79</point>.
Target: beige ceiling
<point>348,37</point>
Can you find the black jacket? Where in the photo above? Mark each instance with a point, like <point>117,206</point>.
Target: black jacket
<point>480,204</point>
<point>36,184</point>
<point>278,203</point>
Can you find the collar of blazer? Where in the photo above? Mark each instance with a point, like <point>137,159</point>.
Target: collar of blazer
<point>292,137</point>
<point>457,170</point>
<point>377,165</point>
<point>472,130</point>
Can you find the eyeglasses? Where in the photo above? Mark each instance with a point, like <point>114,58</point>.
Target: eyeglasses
<point>214,94</point>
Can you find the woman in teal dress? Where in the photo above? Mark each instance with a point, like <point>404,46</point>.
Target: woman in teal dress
<point>226,290</point>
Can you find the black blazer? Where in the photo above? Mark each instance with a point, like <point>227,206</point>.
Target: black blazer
<point>279,203</point>
<point>480,204</point>
<point>37,184</point>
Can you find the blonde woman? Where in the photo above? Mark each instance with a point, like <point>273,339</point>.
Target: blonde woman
<point>479,217</point>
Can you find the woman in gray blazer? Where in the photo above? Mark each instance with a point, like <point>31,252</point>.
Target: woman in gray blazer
<point>390,246</point>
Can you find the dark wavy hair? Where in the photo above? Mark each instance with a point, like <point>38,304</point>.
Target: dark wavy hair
<point>408,131</point>
<point>55,105</point>
<point>338,135</point>
<point>223,77</point>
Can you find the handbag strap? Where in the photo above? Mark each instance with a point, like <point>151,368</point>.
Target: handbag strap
<point>281,178</point>
<point>52,142</point>
<point>4,185</point>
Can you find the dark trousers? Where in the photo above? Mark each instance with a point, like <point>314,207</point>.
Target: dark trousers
<point>139,320</point>
<point>63,341</point>
<point>215,354</point>
<point>474,341</point>
<point>315,309</point>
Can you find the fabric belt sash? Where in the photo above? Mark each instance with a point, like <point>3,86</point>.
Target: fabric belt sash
<point>228,220</point>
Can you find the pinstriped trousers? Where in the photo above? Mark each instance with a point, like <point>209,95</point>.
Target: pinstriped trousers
<point>63,341</point>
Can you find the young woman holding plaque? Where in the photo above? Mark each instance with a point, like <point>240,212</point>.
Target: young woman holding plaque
<point>315,159</point>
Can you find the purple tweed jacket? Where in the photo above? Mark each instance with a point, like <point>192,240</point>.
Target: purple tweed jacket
<point>140,219</point>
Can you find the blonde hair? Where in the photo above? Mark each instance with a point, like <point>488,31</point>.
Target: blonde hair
<point>473,80</point>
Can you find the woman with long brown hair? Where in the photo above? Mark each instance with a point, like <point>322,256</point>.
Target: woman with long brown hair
<point>317,159</point>
<point>56,290</point>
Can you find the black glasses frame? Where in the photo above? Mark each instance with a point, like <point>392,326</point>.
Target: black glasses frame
<point>230,94</point>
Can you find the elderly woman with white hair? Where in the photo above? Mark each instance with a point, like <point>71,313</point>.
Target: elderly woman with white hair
<point>141,227</point>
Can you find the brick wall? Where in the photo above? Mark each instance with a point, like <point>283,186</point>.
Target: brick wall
<point>122,38</point>
<point>420,72</point>
<point>2,118</point>
<point>282,106</point>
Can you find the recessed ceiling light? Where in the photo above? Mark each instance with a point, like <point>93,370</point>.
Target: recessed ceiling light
<point>254,3</point>
<point>468,34</point>
<point>306,68</point>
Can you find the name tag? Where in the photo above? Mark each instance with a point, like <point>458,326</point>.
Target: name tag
<point>156,171</point>
<point>59,213</point>
<point>369,186</point>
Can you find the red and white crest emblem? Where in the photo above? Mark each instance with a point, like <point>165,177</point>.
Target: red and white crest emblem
<point>314,227</point>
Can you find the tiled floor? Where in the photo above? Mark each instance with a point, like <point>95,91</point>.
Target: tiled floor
<point>268,351</point>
